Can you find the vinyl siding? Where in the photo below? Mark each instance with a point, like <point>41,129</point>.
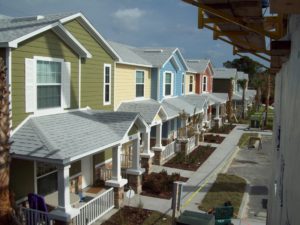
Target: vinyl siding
<point>102,156</point>
<point>46,44</point>
<point>21,178</point>
<point>92,69</point>
<point>125,83</point>
<point>154,75</point>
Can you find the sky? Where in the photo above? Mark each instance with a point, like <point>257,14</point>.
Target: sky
<point>141,23</point>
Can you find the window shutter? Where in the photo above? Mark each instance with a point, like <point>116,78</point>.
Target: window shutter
<point>66,84</point>
<point>30,85</point>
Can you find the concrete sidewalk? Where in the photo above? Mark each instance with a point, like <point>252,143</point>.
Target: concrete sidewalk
<point>192,196</point>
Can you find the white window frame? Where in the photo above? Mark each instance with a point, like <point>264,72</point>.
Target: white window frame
<point>172,84</point>
<point>54,109</point>
<point>104,84</point>
<point>204,84</point>
<point>140,97</point>
<point>191,91</point>
<point>183,84</point>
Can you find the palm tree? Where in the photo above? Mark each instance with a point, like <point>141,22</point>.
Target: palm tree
<point>243,84</point>
<point>229,110</point>
<point>257,82</point>
<point>6,206</point>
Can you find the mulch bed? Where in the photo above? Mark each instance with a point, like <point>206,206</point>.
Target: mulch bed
<point>160,184</point>
<point>211,138</point>
<point>225,129</point>
<point>193,161</point>
<point>137,216</point>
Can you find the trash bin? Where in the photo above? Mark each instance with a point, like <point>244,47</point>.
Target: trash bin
<point>223,215</point>
<point>254,122</point>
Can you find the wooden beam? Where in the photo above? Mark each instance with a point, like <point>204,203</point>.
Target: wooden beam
<point>229,5</point>
<point>280,48</point>
<point>200,18</point>
<point>232,19</point>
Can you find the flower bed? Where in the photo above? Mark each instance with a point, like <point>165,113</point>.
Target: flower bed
<point>138,216</point>
<point>160,184</point>
<point>192,161</point>
<point>211,138</point>
<point>225,129</point>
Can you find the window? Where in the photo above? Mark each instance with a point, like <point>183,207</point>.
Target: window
<point>204,84</point>
<point>168,84</point>
<point>182,84</point>
<point>48,84</point>
<point>46,178</point>
<point>139,84</point>
<point>107,83</point>
<point>191,84</point>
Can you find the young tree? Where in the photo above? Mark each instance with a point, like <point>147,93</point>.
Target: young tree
<point>243,84</point>
<point>229,109</point>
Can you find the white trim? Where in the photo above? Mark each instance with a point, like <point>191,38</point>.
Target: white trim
<point>158,84</point>
<point>21,124</point>
<point>105,65</point>
<point>79,82</point>
<point>172,84</point>
<point>183,84</point>
<point>193,77</point>
<point>134,64</point>
<point>143,71</point>
<point>46,174</point>
<point>75,175</point>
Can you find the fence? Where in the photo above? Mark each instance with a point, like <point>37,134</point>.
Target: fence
<point>96,208</point>
<point>35,217</point>
<point>169,150</point>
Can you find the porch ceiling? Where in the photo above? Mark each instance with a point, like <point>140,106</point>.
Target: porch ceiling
<point>241,24</point>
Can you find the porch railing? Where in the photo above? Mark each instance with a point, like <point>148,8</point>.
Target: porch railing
<point>96,208</point>
<point>169,150</point>
<point>105,173</point>
<point>126,160</point>
<point>191,144</point>
<point>35,217</point>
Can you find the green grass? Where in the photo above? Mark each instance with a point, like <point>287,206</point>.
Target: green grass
<point>226,188</point>
<point>243,142</point>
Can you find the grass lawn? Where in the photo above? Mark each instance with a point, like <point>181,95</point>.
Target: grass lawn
<point>226,188</point>
<point>244,140</point>
<point>138,216</point>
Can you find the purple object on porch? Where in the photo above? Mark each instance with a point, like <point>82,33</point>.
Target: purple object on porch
<point>37,202</point>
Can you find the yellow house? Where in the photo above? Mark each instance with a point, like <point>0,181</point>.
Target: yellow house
<point>189,83</point>
<point>132,76</point>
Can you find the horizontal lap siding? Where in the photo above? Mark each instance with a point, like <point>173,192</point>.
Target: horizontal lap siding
<point>92,69</point>
<point>47,44</point>
<point>125,83</point>
<point>187,83</point>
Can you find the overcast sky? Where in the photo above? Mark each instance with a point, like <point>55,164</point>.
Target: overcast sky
<point>166,23</point>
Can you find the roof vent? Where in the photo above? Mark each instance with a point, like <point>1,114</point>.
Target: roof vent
<point>154,50</point>
<point>25,19</point>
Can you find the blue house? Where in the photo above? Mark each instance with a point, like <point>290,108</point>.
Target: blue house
<point>168,71</point>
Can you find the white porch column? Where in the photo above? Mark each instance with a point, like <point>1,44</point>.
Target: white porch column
<point>116,178</point>
<point>205,114</point>
<point>146,143</point>
<point>136,166</point>
<point>217,111</point>
<point>64,211</point>
<point>158,136</point>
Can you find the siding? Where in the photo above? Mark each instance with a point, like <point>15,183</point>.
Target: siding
<point>92,69</point>
<point>125,83</point>
<point>46,44</point>
<point>21,177</point>
<point>102,156</point>
<point>221,85</point>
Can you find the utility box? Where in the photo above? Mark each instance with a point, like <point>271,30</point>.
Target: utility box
<point>195,218</point>
<point>223,215</point>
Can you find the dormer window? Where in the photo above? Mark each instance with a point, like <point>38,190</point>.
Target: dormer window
<point>168,84</point>
<point>204,84</point>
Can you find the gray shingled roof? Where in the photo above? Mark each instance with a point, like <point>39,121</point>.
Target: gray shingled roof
<point>197,65</point>
<point>224,73</point>
<point>213,99</point>
<point>148,109</point>
<point>13,28</point>
<point>127,54</point>
<point>65,135</point>
<point>156,56</point>
<point>188,103</point>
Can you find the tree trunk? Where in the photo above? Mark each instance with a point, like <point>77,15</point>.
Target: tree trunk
<point>267,98</point>
<point>229,103</point>
<point>243,100</point>
<point>6,210</point>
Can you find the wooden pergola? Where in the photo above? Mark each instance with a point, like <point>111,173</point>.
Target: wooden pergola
<point>244,25</point>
